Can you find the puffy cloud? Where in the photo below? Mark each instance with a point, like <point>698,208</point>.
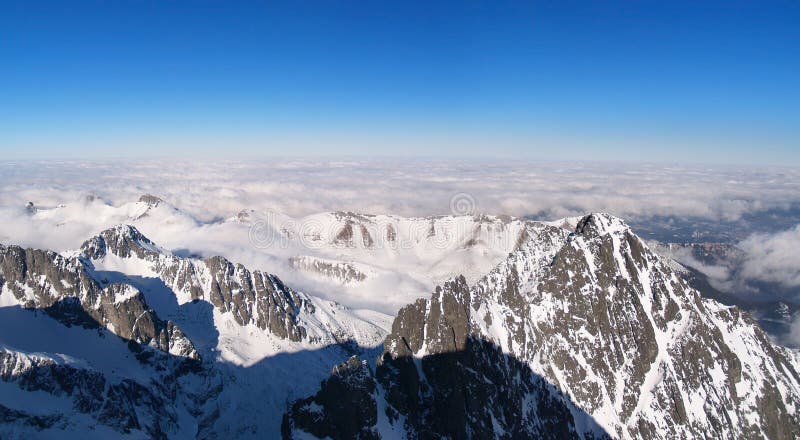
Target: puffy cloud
<point>771,262</point>
<point>720,276</point>
<point>773,258</point>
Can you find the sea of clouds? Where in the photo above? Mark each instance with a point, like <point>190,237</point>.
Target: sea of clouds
<point>213,190</point>
<point>217,189</point>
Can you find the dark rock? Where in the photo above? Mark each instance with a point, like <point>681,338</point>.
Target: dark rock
<point>344,408</point>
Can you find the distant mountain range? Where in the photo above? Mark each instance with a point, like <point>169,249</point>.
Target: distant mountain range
<point>341,255</point>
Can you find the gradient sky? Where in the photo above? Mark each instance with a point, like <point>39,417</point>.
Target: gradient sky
<point>651,81</point>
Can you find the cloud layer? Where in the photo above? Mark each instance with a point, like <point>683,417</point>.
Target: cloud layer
<point>210,190</point>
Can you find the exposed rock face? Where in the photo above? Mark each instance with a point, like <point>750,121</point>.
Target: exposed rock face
<point>582,334</point>
<point>253,297</point>
<point>391,234</point>
<point>150,382</point>
<point>46,280</point>
<point>344,408</point>
<point>150,200</point>
<point>142,404</point>
<point>345,235</point>
<point>342,272</point>
<point>475,392</point>
<point>714,269</point>
<point>349,230</point>
<point>122,241</point>
<point>366,239</point>
<point>11,417</point>
<point>588,334</point>
<point>125,406</point>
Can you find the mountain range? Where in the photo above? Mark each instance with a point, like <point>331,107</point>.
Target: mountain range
<point>575,328</point>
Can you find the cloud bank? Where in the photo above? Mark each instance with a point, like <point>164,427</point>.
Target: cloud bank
<point>296,187</point>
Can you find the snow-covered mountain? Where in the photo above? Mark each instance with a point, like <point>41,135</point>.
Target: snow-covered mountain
<point>715,269</point>
<point>355,255</point>
<point>579,331</point>
<point>93,209</point>
<point>150,344</point>
<point>344,256</point>
<point>587,334</point>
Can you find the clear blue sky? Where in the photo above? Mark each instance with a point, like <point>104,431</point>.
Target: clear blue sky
<point>663,81</point>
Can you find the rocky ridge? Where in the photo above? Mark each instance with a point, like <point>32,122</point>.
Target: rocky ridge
<point>120,286</point>
<point>62,287</point>
<point>593,327</point>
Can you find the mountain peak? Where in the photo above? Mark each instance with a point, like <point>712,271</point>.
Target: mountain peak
<point>600,223</point>
<point>150,200</point>
<point>594,322</point>
<point>123,231</point>
<point>121,240</point>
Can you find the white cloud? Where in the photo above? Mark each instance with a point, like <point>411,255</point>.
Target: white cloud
<point>719,276</point>
<point>773,257</point>
<point>297,187</point>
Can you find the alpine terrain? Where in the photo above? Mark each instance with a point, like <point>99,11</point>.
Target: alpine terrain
<point>581,331</point>
<point>583,334</point>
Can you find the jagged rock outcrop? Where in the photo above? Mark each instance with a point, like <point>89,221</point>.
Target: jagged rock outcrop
<point>339,271</point>
<point>253,297</point>
<point>593,326</point>
<point>62,287</point>
<point>582,333</point>
<point>150,200</point>
<point>124,405</point>
<point>135,394</point>
<point>715,270</point>
<point>11,417</point>
<point>151,382</point>
<point>344,408</point>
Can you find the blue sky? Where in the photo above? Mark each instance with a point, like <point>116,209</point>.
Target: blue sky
<point>650,81</point>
